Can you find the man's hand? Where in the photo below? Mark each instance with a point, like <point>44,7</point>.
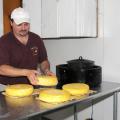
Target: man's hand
<point>49,73</point>
<point>45,68</point>
<point>31,75</point>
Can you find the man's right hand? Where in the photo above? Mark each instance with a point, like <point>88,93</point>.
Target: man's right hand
<point>31,75</point>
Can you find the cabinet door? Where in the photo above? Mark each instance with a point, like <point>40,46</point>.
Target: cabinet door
<point>86,18</point>
<point>67,18</point>
<point>103,110</point>
<point>77,18</point>
<point>85,113</point>
<point>49,18</point>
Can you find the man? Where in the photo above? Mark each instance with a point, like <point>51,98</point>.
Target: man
<point>21,51</point>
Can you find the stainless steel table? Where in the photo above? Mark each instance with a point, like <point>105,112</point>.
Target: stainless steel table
<point>19,109</point>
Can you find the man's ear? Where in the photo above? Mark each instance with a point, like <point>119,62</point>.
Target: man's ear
<point>11,22</point>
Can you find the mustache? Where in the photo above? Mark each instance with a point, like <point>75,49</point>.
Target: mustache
<point>23,31</point>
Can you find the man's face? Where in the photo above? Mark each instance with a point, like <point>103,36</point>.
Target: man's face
<point>20,30</point>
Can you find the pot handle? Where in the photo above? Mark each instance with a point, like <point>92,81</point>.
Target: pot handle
<point>80,58</point>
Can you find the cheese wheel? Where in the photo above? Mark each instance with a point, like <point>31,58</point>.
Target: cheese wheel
<point>47,80</point>
<point>47,105</point>
<point>54,95</point>
<point>19,90</point>
<point>76,88</point>
<point>19,102</point>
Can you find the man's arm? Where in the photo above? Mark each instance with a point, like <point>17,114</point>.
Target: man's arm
<point>45,68</point>
<point>7,70</point>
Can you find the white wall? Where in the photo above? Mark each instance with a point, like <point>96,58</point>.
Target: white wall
<point>1,17</point>
<point>60,51</point>
<point>112,40</point>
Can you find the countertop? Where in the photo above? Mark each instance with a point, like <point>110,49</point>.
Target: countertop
<point>20,108</point>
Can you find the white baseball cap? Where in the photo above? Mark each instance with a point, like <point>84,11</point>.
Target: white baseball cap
<point>19,15</point>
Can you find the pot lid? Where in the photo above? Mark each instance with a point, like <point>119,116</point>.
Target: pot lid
<point>81,60</point>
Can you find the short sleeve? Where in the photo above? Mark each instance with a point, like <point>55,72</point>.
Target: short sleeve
<point>42,52</point>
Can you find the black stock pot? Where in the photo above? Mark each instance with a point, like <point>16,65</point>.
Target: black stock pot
<point>85,71</point>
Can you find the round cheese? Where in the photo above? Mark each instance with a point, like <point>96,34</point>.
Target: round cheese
<point>76,88</point>
<point>47,105</point>
<point>19,90</point>
<point>19,102</point>
<point>54,95</point>
<point>47,80</point>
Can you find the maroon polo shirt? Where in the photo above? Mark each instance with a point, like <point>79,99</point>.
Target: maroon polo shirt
<point>18,55</point>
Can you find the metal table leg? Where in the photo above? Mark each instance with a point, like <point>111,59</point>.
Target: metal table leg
<point>75,112</point>
<point>115,104</point>
<point>45,118</point>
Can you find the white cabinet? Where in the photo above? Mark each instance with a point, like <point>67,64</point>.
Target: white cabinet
<point>63,18</point>
<point>103,110</point>
<point>85,113</point>
<point>49,18</point>
<point>118,106</point>
<point>69,18</point>
<point>86,18</point>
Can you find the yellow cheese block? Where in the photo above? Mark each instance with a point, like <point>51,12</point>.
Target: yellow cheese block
<point>47,80</point>
<point>76,88</point>
<point>19,90</point>
<point>54,95</point>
